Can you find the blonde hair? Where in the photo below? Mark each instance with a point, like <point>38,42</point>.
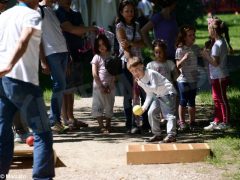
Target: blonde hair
<point>134,62</point>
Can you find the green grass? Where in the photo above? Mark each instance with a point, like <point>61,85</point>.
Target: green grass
<point>226,152</point>
<point>232,20</point>
<point>233,93</point>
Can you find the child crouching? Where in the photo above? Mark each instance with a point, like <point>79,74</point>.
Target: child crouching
<point>161,97</point>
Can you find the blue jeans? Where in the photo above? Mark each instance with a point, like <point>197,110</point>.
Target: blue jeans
<point>17,95</point>
<point>187,93</point>
<point>57,63</point>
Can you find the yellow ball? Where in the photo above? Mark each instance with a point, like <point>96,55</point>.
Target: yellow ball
<point>137,110</point>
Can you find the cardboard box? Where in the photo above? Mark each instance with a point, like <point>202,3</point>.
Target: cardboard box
<point>167,153</point>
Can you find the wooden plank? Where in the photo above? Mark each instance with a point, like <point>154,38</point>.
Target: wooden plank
<point>167,153</point>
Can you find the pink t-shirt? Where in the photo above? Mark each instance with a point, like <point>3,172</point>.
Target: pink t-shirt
<point>106,78</point>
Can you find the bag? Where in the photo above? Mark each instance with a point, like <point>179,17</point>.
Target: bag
<point>78,70</point>
<point>114,65</point>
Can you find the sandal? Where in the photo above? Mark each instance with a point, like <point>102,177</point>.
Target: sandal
<point>79,123</point>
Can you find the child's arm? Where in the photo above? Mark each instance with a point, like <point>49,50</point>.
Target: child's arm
<point>147,101</point>
<point>179,62</point>
<point>213,60</point>
<point>96,77</point>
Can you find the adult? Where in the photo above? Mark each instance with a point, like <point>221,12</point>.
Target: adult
<point>54,56</point>
<point>145,11</point>
<point>164,25</point>
<point>73,30</point>
<point>19,87</point>
<point>130,42</point>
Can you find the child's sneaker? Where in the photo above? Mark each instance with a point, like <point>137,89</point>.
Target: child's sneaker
<point>169,139</point>
<point>222,126</point>
<point>182,126</point>
<point>211,127</point>
<point>192,126</point>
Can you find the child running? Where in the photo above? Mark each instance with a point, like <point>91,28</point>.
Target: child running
<point>103,85</point>
<point>186,60</point>
<point>161,97</point>
<point>219,75</point>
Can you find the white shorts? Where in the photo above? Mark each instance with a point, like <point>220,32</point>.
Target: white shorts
<point>102,104</point>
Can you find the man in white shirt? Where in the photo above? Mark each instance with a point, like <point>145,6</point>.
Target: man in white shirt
<point>20,34</point>
<point>54,60</point>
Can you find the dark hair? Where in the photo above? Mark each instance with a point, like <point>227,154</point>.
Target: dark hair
<point>121,6</point>
<point>3,1</point>
<point>220,28</point>
<point>162,44</point>
<point>180,41</point>
<point>105,40</point>
<point>166,3</point>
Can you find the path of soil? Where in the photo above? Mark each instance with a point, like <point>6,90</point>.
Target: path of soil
<point>85,154</point>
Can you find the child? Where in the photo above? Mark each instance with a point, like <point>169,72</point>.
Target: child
<point>161,97</point>
<point>186,60</point>
<point>219,75</point>
<point>165,67</point>
<point>103,85</point>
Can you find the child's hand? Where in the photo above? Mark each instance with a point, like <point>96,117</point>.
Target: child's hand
<point>205,53</point>
<point>185,56</point>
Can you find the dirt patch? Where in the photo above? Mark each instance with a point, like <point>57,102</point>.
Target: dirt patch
<point>86,154</point>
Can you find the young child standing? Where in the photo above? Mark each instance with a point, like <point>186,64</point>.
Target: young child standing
<point>165,67</point>
<point>161,97</point>
<point>103,85</point>
<point>217,59</point>
<point>186,60</point>
<point>160,64</point>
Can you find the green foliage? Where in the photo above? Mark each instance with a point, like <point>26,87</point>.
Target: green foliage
<point>188,11</point>
<point>233,94</point>
<point>233,22</point>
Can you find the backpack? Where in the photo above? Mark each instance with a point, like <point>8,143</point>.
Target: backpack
<point>42,10</point>
<point>114,64</point>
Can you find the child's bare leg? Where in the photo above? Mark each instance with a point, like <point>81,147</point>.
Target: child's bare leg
<point>191,112</point>
<point>100,123</point>
<point>64,110</point>
<point>181,113</point>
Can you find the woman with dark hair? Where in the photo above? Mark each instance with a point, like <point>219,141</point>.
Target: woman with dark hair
<point>164,25</point>
<point>130,42</point>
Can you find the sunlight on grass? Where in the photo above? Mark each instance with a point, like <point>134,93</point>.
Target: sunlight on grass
<point>225,151</point>
<point>232,20</point>
<point>47,95</point>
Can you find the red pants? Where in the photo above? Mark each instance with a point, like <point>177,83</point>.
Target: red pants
<point>219,95</point>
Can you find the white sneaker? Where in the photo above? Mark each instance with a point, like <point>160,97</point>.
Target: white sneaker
<point>222,126</point>
<point>211,127</point>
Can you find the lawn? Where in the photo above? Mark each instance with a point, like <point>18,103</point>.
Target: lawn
<point>233,22</point>
<point>225,149</point>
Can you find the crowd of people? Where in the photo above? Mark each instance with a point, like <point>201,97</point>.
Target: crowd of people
<point>165,88</point>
